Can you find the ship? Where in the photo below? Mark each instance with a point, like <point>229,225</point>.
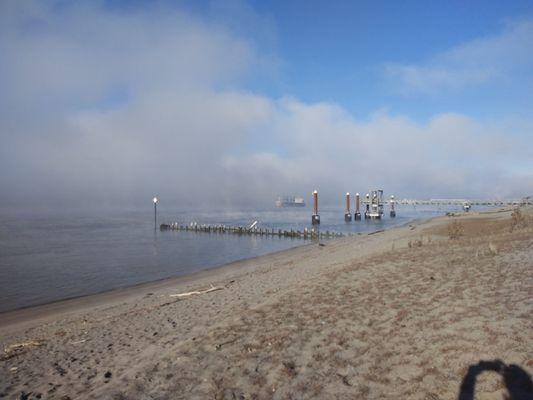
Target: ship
<point>290,201</point>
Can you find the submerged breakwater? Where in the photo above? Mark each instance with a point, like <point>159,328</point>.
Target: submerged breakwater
<point>313,233</point>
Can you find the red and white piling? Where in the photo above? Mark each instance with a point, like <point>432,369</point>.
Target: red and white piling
<point>348,214</point>
<point>315,218</point>
<point>357,213</point>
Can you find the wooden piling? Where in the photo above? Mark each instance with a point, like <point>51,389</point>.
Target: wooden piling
<point>240,230</point>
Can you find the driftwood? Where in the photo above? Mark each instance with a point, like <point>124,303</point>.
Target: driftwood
<point>19,348</point>
<point>195,292</point>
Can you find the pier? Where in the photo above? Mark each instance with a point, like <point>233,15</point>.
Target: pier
<point>252,231</point>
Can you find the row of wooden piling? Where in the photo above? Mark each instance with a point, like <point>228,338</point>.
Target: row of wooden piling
<point>255,231</point>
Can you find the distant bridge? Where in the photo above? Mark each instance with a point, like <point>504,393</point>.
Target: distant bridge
<point>476,202</point>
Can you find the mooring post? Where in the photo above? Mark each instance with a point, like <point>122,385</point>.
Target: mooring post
<point>367,198</point>
<point>357,213</point>
<point>315,218</point>
<point>392,210</point>
<point>348,214</point>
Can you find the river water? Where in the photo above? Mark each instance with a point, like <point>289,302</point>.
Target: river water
<point>47,256</point>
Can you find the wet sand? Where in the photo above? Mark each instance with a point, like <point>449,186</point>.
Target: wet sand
<point>398,314</point>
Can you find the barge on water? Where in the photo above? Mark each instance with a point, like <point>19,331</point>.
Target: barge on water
<point>290,201</point>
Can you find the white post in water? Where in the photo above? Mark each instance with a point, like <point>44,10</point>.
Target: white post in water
<point>155,212</point>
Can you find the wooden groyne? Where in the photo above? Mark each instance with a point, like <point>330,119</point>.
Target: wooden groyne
<point>255,231</point>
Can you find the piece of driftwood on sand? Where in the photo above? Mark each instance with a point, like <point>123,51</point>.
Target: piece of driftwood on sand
<point>195,292</point>
<point>19,348</point>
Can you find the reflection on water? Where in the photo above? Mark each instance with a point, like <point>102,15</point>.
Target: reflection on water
<point>51,256</point>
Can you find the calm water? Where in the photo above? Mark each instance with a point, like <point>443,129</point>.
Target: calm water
<point>51,256</point>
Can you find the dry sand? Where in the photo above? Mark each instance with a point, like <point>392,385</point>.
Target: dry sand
<point>401,314</point>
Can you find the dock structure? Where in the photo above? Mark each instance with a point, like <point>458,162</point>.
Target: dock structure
<point>374,204</point>
<point>473,202</point>
<point>251,231</point>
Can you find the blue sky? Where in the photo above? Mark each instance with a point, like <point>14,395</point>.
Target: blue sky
<point>240,101</point>
<point>336,51</point>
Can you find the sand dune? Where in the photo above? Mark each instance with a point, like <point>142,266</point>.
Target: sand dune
<point>403,314</point>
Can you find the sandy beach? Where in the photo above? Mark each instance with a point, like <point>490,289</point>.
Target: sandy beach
<point>407,313</point>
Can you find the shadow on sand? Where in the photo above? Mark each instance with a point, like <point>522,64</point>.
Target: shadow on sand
<point>517,381</point>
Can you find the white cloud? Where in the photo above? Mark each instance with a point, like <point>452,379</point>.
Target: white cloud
<point>188,131</point>
<point>450,155</point>
<point>490,59</point>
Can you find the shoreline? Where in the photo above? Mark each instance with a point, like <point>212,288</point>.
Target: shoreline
<point>76,303</point>
<point>124,287</point>
<point>108,297</point>
<point>402,313</point>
